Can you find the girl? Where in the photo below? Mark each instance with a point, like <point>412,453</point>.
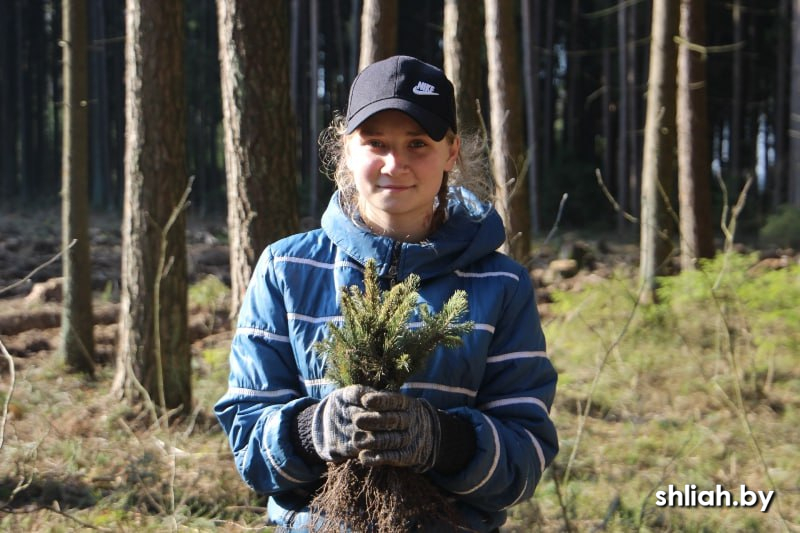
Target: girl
<point>476,421</point>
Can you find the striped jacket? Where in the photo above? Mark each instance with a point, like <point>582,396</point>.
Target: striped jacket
<point>500,379</point>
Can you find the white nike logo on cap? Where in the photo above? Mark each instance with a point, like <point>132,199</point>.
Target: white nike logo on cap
<point>424,89</point>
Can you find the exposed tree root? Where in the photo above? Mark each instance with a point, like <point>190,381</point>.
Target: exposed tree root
<point>380,500</point>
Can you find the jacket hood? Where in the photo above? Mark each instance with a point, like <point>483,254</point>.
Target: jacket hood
<point>472,230</point>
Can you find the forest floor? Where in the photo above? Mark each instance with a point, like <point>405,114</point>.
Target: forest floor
<point>74,458</point>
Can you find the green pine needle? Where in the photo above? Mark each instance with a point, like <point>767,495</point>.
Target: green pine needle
<point>375,345</point>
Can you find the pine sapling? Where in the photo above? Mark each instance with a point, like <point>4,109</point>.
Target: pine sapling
<point>377,346</point>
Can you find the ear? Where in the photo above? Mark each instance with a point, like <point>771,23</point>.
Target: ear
<point>454,149</point>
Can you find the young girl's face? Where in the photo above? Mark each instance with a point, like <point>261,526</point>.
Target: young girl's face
<point>398,170</point>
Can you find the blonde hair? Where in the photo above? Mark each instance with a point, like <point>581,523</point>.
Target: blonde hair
<point>471,170</point>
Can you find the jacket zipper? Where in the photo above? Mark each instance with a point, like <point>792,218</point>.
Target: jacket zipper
<point>394,266</point>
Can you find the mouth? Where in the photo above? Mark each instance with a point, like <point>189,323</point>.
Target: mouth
<point>395,188</point>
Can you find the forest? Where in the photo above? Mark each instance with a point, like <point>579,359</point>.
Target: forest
<point>644,157</point>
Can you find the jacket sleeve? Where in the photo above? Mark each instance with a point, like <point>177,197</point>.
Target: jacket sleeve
<point>264,393</point>
<point>516,439</point>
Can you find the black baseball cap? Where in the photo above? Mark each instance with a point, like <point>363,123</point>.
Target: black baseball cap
<point>406,84</point>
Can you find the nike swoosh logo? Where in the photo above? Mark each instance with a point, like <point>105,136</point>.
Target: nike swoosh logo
<point>421,92</point>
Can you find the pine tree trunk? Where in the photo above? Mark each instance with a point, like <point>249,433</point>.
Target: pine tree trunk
<point>313,109</point>
<point>735,165</point>
<point>573,82</point>
<point>622,118</point>
<point>77,340</point>
<point>153,339</point>
<point>634,113</point>
<point>694,160</point>
<point>548,101</point>
<point>793,175</point>
<point>508,150</point>
<point>531,24</point>
<point>378,31</point>
<point>462,59</point>
<point>101,133</point>
<point>607,105</point>
<point>777,180</point>
<point>8,157</point>
<point>259,132</point>
<point>659,146</point>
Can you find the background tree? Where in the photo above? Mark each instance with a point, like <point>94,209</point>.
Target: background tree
<point>259,132</point>
<point>582,84</point>
<point>548,84</point>
<point>623,99</point>
<point>694,165</point>
<point>531,47</point>
<point>736,114</point>
<point>77,340</point>
<point>777,178</point>
<point>153,346</point>
<point>659,147</point>
<point>462,47</point>
<point>794,115</point>
<point>507,147</point>
<point>378,31</point>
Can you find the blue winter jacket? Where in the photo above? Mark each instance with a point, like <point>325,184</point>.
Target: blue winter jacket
<point>500,380</point>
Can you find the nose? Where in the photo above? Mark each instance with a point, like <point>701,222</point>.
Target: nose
<point>393,162</point>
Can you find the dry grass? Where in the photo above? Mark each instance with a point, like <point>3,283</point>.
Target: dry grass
<point>703,389</point>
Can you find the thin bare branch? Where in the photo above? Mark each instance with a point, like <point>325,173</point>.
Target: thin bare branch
<point>561,205</point>
<point>38,268</point>
<point>612,200</point>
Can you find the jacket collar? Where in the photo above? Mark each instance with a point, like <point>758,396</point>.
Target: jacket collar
<point>472,230</point>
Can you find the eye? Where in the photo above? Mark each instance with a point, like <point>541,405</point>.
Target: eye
<point>374,143</point>
<point>418,143</point>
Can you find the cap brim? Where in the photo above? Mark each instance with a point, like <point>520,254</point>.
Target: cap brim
<point>433,124</point>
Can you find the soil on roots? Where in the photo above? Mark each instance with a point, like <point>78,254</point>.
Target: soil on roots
<point>380,499</point>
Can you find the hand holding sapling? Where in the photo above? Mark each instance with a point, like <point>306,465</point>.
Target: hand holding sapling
<point>333,424</point>
<point>400,431</point>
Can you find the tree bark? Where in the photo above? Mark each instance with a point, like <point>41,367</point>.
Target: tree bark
<point>505,103</point>
<point>622,189</point>
<point>100,131</point>
<point>153,351</point>
<point>572,101</point>
<point>462,60</point>
<point>633,76</point>
<point>259,132</point>
<point>793,175</point>
<point>77,340</point>
<point>734,164</point>
<point>313,109</point>
<point>694,160</point>
<point>659,147</point>
<point>378,31</point>
<point>548,100</point>
<point>531,24</point>
<point>777,183</point>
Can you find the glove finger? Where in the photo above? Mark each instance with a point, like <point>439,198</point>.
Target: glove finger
<point>346,415</point>
<point>382,421</point>
<point>381,440</point>
<point>386,401</point>
<point>352,394</point>
<point>382,458</point>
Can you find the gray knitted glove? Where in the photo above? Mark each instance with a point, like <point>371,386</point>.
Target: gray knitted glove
<point>332,427</point>
<point>399,431</point>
